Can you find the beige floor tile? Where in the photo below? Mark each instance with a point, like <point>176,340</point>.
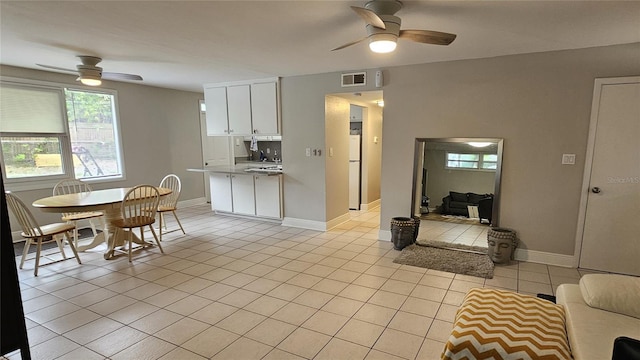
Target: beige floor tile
<point>262,285</point>
<point>436,281</point>
<point>294,313</point>
<point>411,323</point>
<point>534,277</point>
<point>313,298</point>
<point>93,330</point>
<point>370,281</point>
<point>71,321</point>
<point>240,322</point>
<point>173,279</point>
<point>181,354</point>
<point>181,331</point>
<point>344,275</point>
<point>111,304</point>
<point>81,353</point>
<point>430,350</point>
<point>270,332</point>
<point>145,291</point>
<point>305,343</point>
<point>343,306</point>
<point>357,292</point>
<point>74,290</point>
<point>360,332</point>
<point>240,298</point>
<point>428,293</point>
<point>210,342</point>
<point>375,314</point>
<point>304,280</point>
<point>116,341</point>
<point>505,272</point>
<point>287,292</point>
<point>133,312</point>
<point>325,322</point>
<point>330,286</point>
<point>420,307</point>
<point>148,348</point>
<point>340,349</point>
<point>238,280</point>
<point>534,287</point>
<point>194,285</point>
<point>245,349</point>
<point>266,305</point>
<point>399,343</point>
<point>214,312</point>
<point>407,276</point>
<point>39,303</point>
<point>52,312</point>
<point>38,334</point>
<point>539,268</point>
<point>189,305</point>
<point>216,291</point>
<point>398,287</point>
<point>379,355</point>
<point>447,313</point>
<point>53,348</point>
<point>166,297</point>
<point>156,321</point>
<point>439,330</point>
<point>388,299</point>
<point>277,354</point>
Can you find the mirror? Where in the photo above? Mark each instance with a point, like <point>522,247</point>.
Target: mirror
<point>458,176</point>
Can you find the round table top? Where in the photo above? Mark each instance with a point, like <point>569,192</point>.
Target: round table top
<point>85,201</point>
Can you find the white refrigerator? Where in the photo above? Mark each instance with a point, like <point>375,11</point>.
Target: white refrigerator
<point>354,172</point>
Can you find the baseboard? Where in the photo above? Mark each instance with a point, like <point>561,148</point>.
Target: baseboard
<point>384,235</point>
<point>192,202</point>
<point>544,258</point>
<point>371,205</point>
<point>338,220</point>
<point>304,224</point>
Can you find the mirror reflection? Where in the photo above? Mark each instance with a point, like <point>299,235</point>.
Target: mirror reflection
<point>457,180</point>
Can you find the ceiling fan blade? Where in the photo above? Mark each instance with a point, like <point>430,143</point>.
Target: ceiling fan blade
<point>120,76</point>
<point>57,68</point>
<point>369,17</point>
<point>428,36</point>
<point>348,44</point>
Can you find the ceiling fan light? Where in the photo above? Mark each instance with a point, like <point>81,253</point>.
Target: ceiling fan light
<point>89,75</point>
<point>479,144</point>
<point>90,81</point>
<point>382,43</point>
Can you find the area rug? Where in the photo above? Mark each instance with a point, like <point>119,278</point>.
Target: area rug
<point>455,258</point>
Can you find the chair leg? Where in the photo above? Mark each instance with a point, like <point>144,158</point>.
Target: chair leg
<point>160,227</point>
<point>38,248</point>
<point>130,237</point>
<point>178,220</point>
<point>25,252</point>
<point>73,248</point>
<point>156,237</point>
<point>60,246</point>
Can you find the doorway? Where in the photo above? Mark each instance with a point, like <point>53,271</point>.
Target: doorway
<point>608,228</point>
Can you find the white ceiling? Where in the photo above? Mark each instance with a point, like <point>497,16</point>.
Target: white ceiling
<point>184,44</point>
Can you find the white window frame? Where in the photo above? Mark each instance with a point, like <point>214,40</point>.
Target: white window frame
<point>480,161</point>
<point>48,181</point>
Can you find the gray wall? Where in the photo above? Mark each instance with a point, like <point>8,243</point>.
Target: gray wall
<point>540,104</point>
<point>160,135</point>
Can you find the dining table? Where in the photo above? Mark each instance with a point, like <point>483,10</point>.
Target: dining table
<point>109,201</point>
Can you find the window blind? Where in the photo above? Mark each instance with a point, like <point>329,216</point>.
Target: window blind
<point>31,109</point>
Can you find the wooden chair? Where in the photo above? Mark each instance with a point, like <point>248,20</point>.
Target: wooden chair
<point>169,203</point>
<point>139,210</point>
<point>73,186</point>
<point>38,235</point>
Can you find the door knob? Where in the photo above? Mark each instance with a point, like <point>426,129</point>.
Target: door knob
<point>595,190</point>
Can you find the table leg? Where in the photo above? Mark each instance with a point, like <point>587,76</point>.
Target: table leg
<point>118,238</point>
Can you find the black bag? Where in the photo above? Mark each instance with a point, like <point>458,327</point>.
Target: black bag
<point>625,348</point>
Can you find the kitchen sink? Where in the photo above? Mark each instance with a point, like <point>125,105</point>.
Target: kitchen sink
<point>265,168</point>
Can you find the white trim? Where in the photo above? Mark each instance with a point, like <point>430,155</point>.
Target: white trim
<point>304,224</point>
<point>338,220</point>
<point>384,235</point>
<point>588,164</point>
<point>248,217</point>
<point>372,205</point>
<point>544,258</point>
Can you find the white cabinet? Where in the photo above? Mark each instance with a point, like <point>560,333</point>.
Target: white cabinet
<point>264,108</point>
<point>268,196</point>
<point>239,109</point>
<point>216,101</point>
<point>242,190</point>
<point>220,186</point>
<point>242,108</point>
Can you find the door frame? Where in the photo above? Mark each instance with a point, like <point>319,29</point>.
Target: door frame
<point>588,163</point>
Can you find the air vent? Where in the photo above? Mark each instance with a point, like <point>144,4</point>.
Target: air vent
<point>354,79</point>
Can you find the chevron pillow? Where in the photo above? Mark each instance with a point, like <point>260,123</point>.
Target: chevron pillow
<point>505,325</point>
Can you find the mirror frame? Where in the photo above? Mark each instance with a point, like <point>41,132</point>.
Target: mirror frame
<point>419,154</point>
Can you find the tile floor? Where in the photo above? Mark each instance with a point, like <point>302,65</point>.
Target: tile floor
<point>245,289</point>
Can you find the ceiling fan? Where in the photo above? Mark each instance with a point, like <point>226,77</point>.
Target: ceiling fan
<point>383,28</point>
<point>91,74</point>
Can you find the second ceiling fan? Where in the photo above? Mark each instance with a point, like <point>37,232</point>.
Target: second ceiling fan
<point>383,28</point>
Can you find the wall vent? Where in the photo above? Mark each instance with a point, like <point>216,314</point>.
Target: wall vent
<point>354,79</point>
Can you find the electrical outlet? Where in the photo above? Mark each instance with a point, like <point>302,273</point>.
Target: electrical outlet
<point>308,151</point>
<point>568,159</point>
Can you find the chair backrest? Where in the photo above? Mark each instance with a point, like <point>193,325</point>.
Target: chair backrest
<point>140,204</point>
<point>71,186</point>
<point>172,182</point>
<point>28,223</point>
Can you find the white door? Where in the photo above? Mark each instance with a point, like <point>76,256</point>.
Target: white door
<point>216,101</point>
<point>354,147</point>
<point>611,235</point>
<point>244,199</point>
<point>264,108</point>
<point>220,192</point>
<point>268,196</point>
<point>239,109</point>
<point>354,185</point>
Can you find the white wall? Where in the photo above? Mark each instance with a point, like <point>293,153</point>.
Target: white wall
<point>337,164</point>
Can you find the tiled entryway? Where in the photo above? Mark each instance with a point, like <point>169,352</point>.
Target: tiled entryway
<point>245,289</point>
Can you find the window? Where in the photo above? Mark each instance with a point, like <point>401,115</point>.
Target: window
<point>471,161</point>
<point>49,132</point>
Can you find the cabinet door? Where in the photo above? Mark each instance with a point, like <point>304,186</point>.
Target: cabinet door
<point>220,185</point>
<point>268,196</point>
<point>239,108</point>
<point>264,108</point>
<point>216,101</point>
<point>243,194</point>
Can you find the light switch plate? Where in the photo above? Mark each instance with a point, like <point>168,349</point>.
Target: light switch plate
<point>308,151</point>
<point>568,159</point>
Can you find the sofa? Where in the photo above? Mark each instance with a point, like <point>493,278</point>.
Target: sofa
<point>456,204</point>
<point>601,308</point>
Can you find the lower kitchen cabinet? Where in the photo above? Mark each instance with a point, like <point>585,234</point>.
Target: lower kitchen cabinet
<point>242,191</point>
<point>253,195</point>
<point>268,196</point>
<point>220,185</point>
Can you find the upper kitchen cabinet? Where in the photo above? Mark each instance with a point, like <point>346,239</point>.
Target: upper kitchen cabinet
<point>264,108</point>
<point>215,99</point>
<point>243,108</point>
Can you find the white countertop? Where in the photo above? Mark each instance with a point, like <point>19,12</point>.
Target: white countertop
<point>257,168</point>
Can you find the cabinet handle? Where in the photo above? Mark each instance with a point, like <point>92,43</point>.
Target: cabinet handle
<point>255,131</point>
<point>226,130</point>
<point>230,130</point>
